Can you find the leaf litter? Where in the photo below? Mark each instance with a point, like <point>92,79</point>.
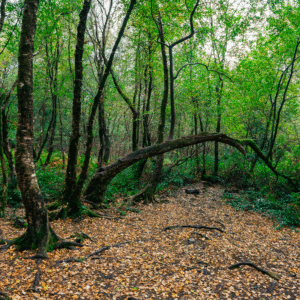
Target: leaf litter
<point>133,257</point>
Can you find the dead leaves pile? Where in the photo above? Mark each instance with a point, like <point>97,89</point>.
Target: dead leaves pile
<point>181,263</point>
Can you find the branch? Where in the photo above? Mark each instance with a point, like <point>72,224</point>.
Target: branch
<point>11,34</point>
<point>6,99</point>
<point>193,226</point>
<point>235,266</point>
<point>192,28</point>
<point>125,98</point>
<point>266,160</point>
<point>204,65</point>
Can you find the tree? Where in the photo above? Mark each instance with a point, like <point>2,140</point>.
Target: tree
<point>39,233</point>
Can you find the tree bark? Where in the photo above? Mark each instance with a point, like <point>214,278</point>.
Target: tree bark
<point>74,140</point>
<point>95,191</point>
<point>2,14</point>
<point>3,200</point>
<point>6,147</point>
<point>104,150</point>
<point>53,73</point>
<point>74,204</point>
<point>38,234</point>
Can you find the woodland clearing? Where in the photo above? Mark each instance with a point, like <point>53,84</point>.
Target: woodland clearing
<point>147,262</point>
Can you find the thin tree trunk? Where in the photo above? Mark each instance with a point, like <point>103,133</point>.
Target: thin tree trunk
<point>6,148</point>
<point>2,14</point>
<point>104,150</point>
<point>148,193</point>
<point>3,200</point>
<point>74,204</point>
<point>53,88</point>
<point>61,137</point>
<point>76,111</point>
<point>146,109</point>
<point>218,129</point>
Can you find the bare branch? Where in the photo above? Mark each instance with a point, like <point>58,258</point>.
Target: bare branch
<point>204,65</point>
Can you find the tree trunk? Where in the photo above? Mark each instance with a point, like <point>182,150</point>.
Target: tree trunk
<point>38,234</point>
<point>74,204</point>
<point>53,88</point>
<point>3,200</point>
<point>146,141</point>
<point>148,193</point>
<point>97,186</point>
<point>2,14</point>
<point>218,129</point>
<point>74,140</point>
<point>104,150</point>
<point>6,148</point>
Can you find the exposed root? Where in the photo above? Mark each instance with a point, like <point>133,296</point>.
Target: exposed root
<point>37,277</point>
<point>3,296</point>
<point>64,213</point>
<point>44,242</point>
<point>193,226</point>
<point>81,259</point>
<point>58,214</point>
<point>80,237</point>
<point>67,245</point>
<point>5,247</point>
<point>235,266</point>
<point>94,205</point>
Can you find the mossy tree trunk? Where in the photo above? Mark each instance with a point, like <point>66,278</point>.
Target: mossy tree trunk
<point>38,234</point>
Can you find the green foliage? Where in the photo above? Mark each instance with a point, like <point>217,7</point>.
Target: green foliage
<point>13,194</point>
<point>51,178</point>
<point>285,209</point>
<point>124,184</point>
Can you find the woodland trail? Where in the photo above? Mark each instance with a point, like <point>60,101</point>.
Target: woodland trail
<point>179,263</point>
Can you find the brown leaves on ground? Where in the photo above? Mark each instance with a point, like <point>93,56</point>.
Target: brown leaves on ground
<point>174,264</point>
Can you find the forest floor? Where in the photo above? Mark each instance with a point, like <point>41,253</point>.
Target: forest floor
<point>179,263</point>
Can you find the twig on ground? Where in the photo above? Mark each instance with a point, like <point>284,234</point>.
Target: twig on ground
<point>235,266</point>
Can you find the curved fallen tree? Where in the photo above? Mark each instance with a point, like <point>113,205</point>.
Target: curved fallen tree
<point>96,189</point>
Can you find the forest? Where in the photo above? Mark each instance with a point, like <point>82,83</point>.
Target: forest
<point>128,128</point>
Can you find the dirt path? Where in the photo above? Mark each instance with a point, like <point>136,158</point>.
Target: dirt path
<point>174,264</point>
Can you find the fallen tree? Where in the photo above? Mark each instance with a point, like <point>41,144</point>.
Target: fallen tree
<point>96,189</point>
